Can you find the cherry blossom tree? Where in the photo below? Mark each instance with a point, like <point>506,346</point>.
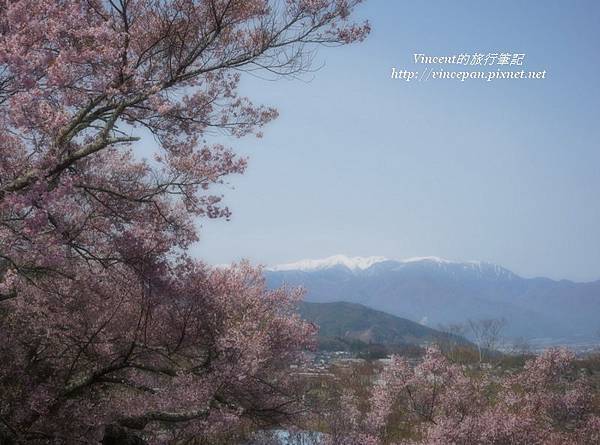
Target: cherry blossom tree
<point>437,402</point>
<point>107,326</point>
<point>191,351</point>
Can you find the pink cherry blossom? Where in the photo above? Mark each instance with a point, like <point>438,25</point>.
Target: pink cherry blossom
<point>547,402</point>
<point>107,326</point>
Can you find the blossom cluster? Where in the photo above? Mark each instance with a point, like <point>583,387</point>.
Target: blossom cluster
<point>108,327</point>
<point>438,402</point>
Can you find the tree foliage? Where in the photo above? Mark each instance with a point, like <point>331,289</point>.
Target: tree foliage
<point>437,402</point>
<point>105,321</point>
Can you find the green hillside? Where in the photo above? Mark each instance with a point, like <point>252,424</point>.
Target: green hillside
<point>350,322</point>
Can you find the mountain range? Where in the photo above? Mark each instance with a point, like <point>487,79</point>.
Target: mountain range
<point>436,291</point>
<point>351,322</point>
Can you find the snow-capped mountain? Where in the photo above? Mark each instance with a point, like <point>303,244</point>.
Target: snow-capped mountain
<point>360,264</point>
<point>444,291</point>
<point>352,263</point>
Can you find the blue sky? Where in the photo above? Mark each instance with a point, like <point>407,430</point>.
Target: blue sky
<point>357,163</point>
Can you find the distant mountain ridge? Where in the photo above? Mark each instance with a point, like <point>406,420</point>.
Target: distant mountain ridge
<point>352,263</point>
<point>437,291</point>
<point>357,322</point>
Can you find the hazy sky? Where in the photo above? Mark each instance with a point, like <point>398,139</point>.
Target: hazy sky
<point>357,163</point>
